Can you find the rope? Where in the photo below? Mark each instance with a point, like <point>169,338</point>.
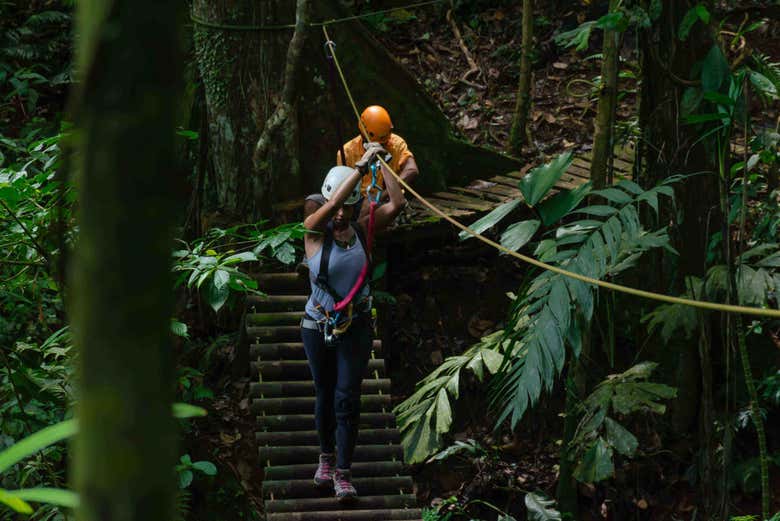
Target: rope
<point>281,27</point>
<point>713,306</point>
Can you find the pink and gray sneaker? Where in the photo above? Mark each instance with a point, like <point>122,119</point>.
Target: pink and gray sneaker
<point>324,475</point>
<point>342,485</point>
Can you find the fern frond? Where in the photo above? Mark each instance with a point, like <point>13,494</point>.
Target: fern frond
<point>548,318</point>
<point>47,18</point>
<point>427,414</point>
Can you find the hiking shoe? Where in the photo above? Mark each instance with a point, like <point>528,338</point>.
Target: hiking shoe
<point>342,485</point>
<point>324,475</point>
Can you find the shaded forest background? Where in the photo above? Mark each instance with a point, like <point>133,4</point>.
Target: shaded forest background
<point>449,73</point>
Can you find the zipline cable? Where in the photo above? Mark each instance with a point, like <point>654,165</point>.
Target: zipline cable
<point>713,306</point>
<point>280,27</point>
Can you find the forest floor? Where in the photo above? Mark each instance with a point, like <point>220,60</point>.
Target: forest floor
<point>480,104</point>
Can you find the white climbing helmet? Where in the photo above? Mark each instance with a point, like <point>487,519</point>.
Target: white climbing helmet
<point>333,180</point>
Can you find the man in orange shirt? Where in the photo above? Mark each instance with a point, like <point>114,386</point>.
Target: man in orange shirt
<point>377,127</point>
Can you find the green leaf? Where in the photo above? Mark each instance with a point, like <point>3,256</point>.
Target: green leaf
<point>185,410</point>
<point>614,21</point>
<point>718,98</point>
<point>696,13</point>
<point>614,195</point>
<point>715,70</point>
<point>443,412</point>
<point>518,234</point>
<point>206,467</point>
<point>185,478</point>
<point>554,208</point>
<point>762,84</point>
<point>285,253</point>
<point>379,271</point>
<point>536,183</point>
<point>491,219</point>
<point>690,101</point>
<point>541,508</point>
<point>245,256</point>
<point>576,37</point>
<point>218,291</point>
<point>51,496</point>
<point>596,464</point>
<point>702,13</point>
<point>36,442</point>
<point>15,503</point>
<point>179,328</point>
<point>621,439</point>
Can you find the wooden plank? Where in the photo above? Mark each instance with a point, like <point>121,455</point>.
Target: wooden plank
<point>580,171</point>
<point>478,193</point>
<point>495,188</point>
<point>457,205</point>
<point>511,182</point>
<point>464,198</point>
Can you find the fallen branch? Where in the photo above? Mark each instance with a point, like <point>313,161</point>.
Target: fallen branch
<point>473,67</point>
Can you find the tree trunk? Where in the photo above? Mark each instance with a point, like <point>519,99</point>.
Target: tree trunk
<point>517,136</point>
<point>232,61</point>
<point>605,117</point>
<point>242,75</point>
<point>669,149</point>
<point>128,59</point>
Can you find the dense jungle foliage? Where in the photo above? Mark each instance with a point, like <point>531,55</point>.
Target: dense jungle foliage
<point>573,401</point>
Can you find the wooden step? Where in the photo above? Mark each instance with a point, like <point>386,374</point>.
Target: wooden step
<point>283,283</point>
<point>257,303</point>
<point>349,515</point>
<point>274,318</point>
<point>294,388</point>
<point>304,422</point>
<point>303,404</point>
<point>331,503</point>
<point>365,436</point>
<point>359,470</point>
<point>305,488</point>
<point>307,453</point>
<point>288,350</point>
<point>266,334</point>
<point>299,369</point>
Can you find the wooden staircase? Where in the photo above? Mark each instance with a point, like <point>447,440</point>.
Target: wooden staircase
<point>283,399</point>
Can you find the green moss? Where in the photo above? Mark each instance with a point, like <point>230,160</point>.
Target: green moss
<point>215,63</point>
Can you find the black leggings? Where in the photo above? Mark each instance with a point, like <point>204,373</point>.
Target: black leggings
<point>338,372</point>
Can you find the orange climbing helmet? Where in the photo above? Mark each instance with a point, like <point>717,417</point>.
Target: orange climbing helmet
<point>377,123</point>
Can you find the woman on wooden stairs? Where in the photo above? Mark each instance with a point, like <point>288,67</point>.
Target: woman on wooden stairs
<point>336,329</point>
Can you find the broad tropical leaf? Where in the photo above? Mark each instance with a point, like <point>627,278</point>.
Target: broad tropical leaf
<point>536,183</point>
<point>541,508</point>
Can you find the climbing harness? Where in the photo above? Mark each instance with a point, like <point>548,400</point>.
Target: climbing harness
<point>337,321</point>
<point>701,304</point>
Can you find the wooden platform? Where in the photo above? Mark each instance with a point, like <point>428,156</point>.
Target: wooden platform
<point>482,195</point>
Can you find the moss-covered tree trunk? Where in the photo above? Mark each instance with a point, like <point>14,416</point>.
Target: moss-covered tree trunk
<point>242,67</point>
<point>242,73</point>
<point>128,64</point>
<point>605,117</point>
<point>519,126</point>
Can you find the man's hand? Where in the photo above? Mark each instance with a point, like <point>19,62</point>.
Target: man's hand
<point>372,150</point>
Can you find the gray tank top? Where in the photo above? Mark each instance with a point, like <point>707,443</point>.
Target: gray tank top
<point>343,270</point>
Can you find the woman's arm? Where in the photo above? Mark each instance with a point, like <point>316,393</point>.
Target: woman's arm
<point>319,219</point>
